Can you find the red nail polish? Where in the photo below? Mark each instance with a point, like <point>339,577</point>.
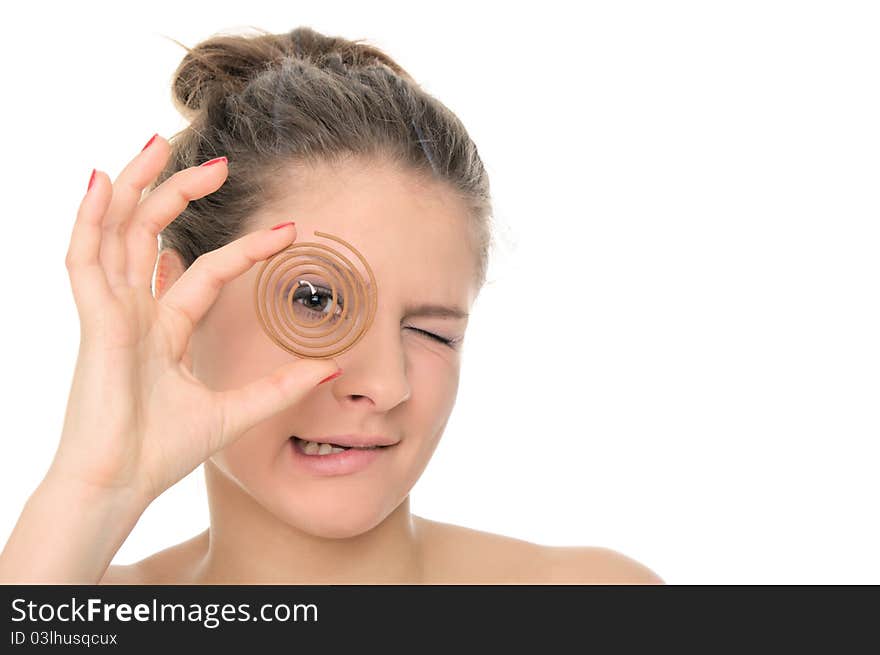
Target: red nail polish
<point>280,225</point>
<point>213,161</point>
<point>330,377</point>
<point>91,180</point>
<point>152,138</point>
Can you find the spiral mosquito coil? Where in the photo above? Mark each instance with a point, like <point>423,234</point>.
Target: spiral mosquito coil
<point>290,323</point>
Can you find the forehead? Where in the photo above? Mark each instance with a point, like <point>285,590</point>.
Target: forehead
<point>413,231</point>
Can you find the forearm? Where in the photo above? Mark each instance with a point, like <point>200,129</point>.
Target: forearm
<point>67,534</point>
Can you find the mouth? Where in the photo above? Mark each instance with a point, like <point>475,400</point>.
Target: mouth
<point>328,459</point>
<point>319,449</point>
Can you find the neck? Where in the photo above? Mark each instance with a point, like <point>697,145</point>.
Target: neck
<point>247,544</point>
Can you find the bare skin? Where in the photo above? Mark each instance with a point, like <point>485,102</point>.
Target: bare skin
<point>452,555</point>
<point>183,375</point>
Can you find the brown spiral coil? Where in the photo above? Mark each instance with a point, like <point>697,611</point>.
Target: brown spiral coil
<point>299,329</point>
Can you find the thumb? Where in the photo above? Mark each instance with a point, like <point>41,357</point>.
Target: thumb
<point>243,408</point>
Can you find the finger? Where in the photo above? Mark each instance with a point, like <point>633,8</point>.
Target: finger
<point>161,206</point>
<point>87,279</point>
<point>241,409</point>
<point>127,190</point>
<point>199,285</point>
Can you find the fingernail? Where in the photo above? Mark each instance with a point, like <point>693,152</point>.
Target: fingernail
<point>330,377</point>
<point>91,180</point>
<point>280,225</point>
<point>152,138</point>
<point>213,161</point>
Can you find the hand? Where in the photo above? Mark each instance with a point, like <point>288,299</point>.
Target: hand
<point>137,419</point>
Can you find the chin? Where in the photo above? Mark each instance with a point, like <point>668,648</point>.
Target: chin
<point>340,517</point>
<point>333,507</point>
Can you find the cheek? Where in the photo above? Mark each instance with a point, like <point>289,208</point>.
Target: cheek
<point>434,388</point>
<point>247,459</point>
<point>433,380</point>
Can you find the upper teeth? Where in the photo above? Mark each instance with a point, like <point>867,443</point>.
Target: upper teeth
<point>316,448</point>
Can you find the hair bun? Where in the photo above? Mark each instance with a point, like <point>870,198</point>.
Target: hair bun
<point>224,63</point>
<point>323,50</point>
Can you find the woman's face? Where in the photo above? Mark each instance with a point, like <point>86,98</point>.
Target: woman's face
<point>397,382</point>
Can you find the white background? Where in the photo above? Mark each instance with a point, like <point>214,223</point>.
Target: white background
<point>676,355</point>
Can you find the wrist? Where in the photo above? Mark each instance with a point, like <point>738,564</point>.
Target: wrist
<point>121,502</point>
<point>69,532</point>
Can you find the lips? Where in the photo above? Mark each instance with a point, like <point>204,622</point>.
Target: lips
<point>313,447</point>
<point>350,440</point>
<point>348,461</point>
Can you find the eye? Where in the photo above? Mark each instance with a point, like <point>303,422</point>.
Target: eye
<point>315,299</point>
<point>452,343</point>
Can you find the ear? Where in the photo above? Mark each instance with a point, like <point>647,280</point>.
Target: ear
<point>169,267</point>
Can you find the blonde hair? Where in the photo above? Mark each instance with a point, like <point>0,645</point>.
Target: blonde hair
<point>270,100</point>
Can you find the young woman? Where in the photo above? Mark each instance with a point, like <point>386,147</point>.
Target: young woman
<point>309,460</point>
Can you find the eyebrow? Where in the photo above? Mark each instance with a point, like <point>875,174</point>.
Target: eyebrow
<point>430,310</point>
<point>434,311</point>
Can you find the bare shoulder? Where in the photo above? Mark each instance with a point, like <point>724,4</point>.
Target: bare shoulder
<point>595,565</point>
<point>173,565</point>
<point>456,554</point>
<point>120,574</point>
<point>459,555</point>
<point>453,554</point>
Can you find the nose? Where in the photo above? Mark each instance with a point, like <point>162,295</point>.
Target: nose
<point>375,369</point>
